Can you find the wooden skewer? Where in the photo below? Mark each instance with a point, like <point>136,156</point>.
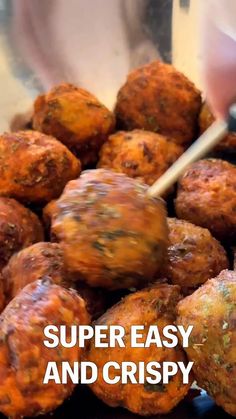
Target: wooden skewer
<point>197,150</point>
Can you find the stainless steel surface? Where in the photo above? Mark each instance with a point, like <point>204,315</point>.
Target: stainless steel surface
<point>93,43</point>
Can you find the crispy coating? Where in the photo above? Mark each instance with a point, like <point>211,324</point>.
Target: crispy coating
<point>153,306</point>
<point>113,235</point>
<point>76,118</point>
<point>48,212</point>
<point>34,262</point>
<point>139,154</point>
<point>34,167</point>
<point>2,294</point>
<point>46,260</point>
<point>194,255</point>
<point>19,228</point>
<point>212,312</point>
<point>24,357</point>
<point>206,118</point>
<point>207,197</point>
<point>158,98</point>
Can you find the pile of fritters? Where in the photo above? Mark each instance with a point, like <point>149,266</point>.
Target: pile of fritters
<point>106,238</point>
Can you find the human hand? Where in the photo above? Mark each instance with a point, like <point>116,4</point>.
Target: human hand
<point>218,45</point>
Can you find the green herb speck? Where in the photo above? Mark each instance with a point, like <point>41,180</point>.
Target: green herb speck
<point>159,388</point>
<point>217,359</point>
<point>226,340</point>
<point>152,122</point>
<point>99,246</point>
<point>224,290</point>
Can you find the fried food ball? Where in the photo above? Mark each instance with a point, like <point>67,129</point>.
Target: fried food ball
<point>151,306</point>
<point>23,355</point>
<point>158,98</point>
<point>113,234</point>
<point>206,118</point>
<point>207,197</point>
<point>139,154</point>
<point>46,260</point>
<point>34,167</point>
<point>212,312</point>
<point>19,228</point>
<point>194,255</point>
<point>37,261</point>
<point>76,118</point>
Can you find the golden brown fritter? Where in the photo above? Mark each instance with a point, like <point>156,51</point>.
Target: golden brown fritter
<point>37,261</point>
<point>158,98</point>
<point>139,154</point>
<point>113,235</point>
<point>151,306</point>
<point>46,260</point>
<point>212,312</point>
<point>23,355</point>
<point>19,228</point>
<point>206,118</point>
<point>34,167</point>
<point>76,118</point>
<point>207,197</point>
<point>194,255</point>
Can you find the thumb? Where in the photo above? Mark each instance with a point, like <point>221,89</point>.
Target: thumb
<point>218,45</point>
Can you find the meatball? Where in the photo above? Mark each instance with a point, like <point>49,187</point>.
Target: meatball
<point>194,255</point>
<point>139,154</point>
<point>212,312</point>
<point>23,355</point>
<point>113,234</point>
<point>19,228</point>
<point>153,306</point>
<point>206,118</point>
<point>158,98</point>
<point>76,118</point>
<point>34,167</point>
<point>207,197</point>
<point>46,260</point>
